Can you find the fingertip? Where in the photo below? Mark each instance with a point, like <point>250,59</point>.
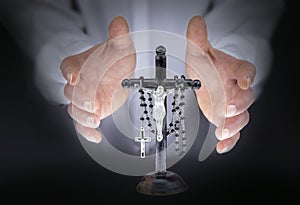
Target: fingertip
<point>118,26</point>
<point>245,74</point>
<point>68,91</point>
<point>196,24</point>
<point>119,35</point>
<point>90,134</point>
<point>95,137</point>
<point>197,32</point>
<point>226,145</point>
<point>69,71</point>
<point>222,149</point>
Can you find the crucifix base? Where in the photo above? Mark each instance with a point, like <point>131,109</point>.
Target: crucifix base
<point>161,183</point>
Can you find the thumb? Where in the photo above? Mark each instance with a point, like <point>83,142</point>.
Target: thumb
<point>117,30</point>
<point>197,33</point>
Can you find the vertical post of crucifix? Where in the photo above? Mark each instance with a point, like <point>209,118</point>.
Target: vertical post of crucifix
<point>161,143</point>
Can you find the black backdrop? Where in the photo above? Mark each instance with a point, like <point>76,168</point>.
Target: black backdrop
<point>42,160</point>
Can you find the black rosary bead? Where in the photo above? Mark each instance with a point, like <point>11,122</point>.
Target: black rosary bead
<point>141,91</point>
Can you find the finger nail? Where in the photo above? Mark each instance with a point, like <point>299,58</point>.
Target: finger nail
<point>225,149</point>
<point>94,139</point>
<point>225,133</point>
<point>248,82</point>
<point>87,105</point>
<point>231,110</point>
<point>90,121</point>
<point>69,77</point>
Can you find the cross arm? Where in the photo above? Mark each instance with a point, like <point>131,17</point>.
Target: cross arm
<point>176,82</point>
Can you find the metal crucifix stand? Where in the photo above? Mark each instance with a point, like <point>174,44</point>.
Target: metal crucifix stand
<point>162,182</point>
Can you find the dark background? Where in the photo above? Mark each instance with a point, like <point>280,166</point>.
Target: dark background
<point>42,160</point>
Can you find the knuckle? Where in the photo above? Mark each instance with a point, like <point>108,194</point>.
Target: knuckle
<point>64,64</point>
<point>66,91</point>
<point>70,110</point>
<point>247,117</point>
<point>68,63</point>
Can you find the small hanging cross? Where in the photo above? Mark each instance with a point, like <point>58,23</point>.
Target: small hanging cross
<point>142,139</point>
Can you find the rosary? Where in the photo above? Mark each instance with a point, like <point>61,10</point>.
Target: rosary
<point>153,101</point>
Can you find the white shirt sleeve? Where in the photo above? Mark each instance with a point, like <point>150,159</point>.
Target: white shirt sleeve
<point>48,31</point>
<point>243,29</point>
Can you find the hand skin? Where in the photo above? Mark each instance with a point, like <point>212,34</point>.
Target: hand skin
<point>95,75</point>
<point>235,75</point>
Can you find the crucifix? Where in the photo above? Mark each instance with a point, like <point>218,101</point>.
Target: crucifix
<point>162,182</point>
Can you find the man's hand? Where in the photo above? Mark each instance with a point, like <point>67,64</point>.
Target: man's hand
<point>225,94</point>
<point>95,75</point>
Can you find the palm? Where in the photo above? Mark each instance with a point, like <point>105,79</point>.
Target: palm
<point>213,104</point>
<point>110,84</point>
